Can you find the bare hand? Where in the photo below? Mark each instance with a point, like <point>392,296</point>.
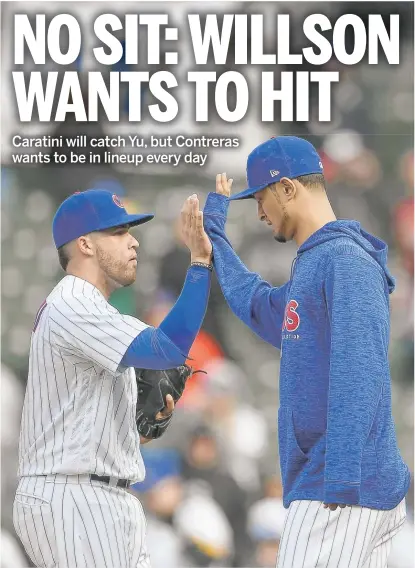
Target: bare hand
<point>223,185</point>
<point>167,410</point>
<point>165,413</point>
<point>194,234</point>
<point>333,506</point>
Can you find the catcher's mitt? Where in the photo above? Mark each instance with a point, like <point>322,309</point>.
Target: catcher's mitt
<point>152,389</point>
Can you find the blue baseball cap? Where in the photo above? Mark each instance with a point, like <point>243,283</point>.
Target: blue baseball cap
<point>283,156</point>
<point>91,210</point>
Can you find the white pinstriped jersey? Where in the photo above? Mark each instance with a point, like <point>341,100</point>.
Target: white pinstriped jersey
<point>79,408</point>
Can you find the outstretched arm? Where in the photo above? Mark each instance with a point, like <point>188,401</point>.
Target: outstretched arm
<point>168,345</point>
<point>259,305</point>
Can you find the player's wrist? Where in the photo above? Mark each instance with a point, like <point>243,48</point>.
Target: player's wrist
<point>201,259</point>
<point>202,265</point>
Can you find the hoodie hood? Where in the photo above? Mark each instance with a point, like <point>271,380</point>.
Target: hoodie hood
<point>377,249</point>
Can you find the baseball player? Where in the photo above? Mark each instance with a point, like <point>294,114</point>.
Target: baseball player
<point>81,428</point>
<point>343,477</point>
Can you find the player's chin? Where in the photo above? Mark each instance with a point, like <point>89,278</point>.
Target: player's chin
<point>279,237</point>
<point>128,278</point>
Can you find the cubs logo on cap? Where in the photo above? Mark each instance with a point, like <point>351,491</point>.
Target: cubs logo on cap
<point>92,210</point>
<point>118,201</point>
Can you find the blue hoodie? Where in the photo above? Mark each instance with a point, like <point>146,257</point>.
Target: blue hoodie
<point>337,440</point>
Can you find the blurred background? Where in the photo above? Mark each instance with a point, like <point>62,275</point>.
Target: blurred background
<point>212,495</point>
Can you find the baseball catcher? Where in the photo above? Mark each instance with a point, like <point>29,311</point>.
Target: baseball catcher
<point>73,464</point>
<point>153,388</point>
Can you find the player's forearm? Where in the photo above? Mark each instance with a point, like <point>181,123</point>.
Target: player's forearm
<point>183,322</point>
<point>354,393</point>
<point>237,282</point>
<point>168,345</point>
<point>346,447</point>
<point>252,299</point>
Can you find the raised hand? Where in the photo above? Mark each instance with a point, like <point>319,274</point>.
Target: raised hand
<point>223,185</point>
<point>194,234</point>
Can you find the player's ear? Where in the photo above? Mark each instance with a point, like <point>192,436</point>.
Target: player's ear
<point>288,188</point>
<point>86,245</point>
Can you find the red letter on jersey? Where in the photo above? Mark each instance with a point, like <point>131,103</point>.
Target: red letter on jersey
<point>291,319</point>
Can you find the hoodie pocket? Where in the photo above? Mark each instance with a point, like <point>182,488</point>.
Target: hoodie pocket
<point>292,457</point>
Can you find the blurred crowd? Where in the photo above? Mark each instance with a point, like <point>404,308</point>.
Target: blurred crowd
<point>212,494</point>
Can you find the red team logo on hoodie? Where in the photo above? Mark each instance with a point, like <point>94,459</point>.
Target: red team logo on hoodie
<point>291,318</point>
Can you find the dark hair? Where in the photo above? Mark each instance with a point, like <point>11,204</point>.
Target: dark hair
<point>64,257</point>
<point>313,181</point>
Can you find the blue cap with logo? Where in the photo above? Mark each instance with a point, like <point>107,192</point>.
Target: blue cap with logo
<point>91,210</point>
<point>283,156</point>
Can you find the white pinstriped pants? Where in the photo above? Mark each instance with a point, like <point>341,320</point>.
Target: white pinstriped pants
<point>353,537</point>
<point>68,521</point>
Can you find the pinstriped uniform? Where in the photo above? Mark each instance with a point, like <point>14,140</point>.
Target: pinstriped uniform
<point>353,537</point>
<point>78,419</point>
<point>72,522</point>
